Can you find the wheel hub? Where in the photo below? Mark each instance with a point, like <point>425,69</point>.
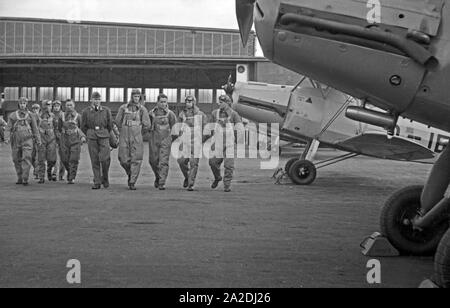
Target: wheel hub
<point>408,227</point>
<point>304,172</point>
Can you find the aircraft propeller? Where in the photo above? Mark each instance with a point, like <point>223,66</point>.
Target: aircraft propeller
<point>244,13</point>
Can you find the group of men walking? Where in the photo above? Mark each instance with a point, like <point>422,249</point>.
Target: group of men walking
<point>41,136</point>
<point>38,137</point>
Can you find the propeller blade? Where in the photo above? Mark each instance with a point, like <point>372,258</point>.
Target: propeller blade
<point>244,14</point>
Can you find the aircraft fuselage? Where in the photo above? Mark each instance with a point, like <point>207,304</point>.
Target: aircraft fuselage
<point>401,64</point>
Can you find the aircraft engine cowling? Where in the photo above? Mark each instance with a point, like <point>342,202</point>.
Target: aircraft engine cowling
<point>258,113</point>
<point>398,63</point>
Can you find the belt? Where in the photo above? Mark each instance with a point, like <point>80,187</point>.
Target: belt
<point>47,131</point>
<point>132,123</point>
<point>96,128</point>
<point>70,131</point>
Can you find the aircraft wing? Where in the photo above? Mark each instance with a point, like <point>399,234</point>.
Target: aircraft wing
<point>378,145</point>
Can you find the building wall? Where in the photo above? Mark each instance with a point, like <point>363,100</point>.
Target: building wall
<point>269,72</point>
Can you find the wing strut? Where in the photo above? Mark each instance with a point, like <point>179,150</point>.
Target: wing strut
<point>334,118</point>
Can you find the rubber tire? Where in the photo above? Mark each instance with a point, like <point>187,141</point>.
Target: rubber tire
<point>289,164</point>
<point>294,172</point>
<point>392,226</point>
<point>442,262</point>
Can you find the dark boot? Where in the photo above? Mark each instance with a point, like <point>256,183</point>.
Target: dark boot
<point>49,174</point>
<point>216,183</point>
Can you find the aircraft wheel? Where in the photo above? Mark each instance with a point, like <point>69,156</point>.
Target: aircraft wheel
<point>398,212</point>
<point>442,262</point>
<point>289,164</point>
<point>303,172</point>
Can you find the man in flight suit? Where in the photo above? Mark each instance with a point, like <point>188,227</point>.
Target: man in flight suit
<point>2,129</point>
<point>59,168</point>
<point>226,118</point>
<point>160,141</point>
<point>21,129</point>
<point>72,138</point>
<point>47,151</point>
<point>191,116</point>
<point>132,119</point>
<point>97,124</point>
<point>36,112</point>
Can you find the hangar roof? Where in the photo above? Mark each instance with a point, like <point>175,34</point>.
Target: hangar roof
<point>49,38</point>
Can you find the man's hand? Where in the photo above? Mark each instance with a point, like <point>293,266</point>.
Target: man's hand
<point>83,140</point>
<point>6,141</point>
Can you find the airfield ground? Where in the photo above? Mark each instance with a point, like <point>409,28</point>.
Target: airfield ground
<point>261,235</point>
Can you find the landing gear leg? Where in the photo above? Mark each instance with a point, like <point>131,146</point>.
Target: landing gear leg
<point>415,219</point>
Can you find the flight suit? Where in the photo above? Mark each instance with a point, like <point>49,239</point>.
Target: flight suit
<point>189,165</point>
<point>97,126</point>
<point>3,125</point>
<point>60,168</point>
<point>160,142</point>
<point>20,130</point>
<point>132,120</point>
<point>34,155</point>
<point>47,151</point>
<point>223,118</point>
<point>70,142</point>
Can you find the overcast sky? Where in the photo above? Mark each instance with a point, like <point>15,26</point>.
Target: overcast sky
<point>198,13</point>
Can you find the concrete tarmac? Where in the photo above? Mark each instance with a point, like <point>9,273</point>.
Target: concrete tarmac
<point>259,236</point>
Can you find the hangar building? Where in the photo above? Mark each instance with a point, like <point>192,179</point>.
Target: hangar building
<point>56,59</point>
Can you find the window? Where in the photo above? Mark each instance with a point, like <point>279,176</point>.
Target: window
<point>11,94</point>
<point>186,92</point>
<point>29,93</point>
<point>116,95</point>
<point>102,92</point>
<point>151,95</point>
<point>63,94</point>
<point>45,94</point>
<point>205,96</point>
<point>82,94</point>
<point>171,94</point>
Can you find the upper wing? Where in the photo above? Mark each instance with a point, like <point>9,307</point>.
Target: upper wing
<point>378,145</point>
